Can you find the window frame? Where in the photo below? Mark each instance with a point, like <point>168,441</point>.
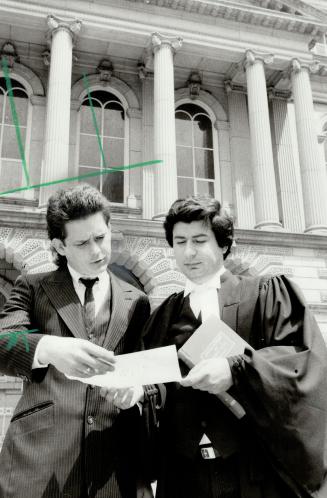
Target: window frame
<point>215,143</point>
<point>124,104</point>
<point>28,194</point>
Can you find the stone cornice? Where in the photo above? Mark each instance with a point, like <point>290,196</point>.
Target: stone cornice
<point>161,15</point>
<point>23,217</point>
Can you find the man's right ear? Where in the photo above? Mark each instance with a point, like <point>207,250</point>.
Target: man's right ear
<point>59,246</point>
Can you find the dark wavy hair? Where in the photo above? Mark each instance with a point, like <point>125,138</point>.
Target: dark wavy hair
<point>71,204</point>
<point>209,211</point>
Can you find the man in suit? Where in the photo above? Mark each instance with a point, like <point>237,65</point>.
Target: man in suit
<point>64,439</point>
<point>277,449</point>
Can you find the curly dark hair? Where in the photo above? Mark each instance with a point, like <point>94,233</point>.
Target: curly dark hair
<point>209,211</point>
<point>73,204</point>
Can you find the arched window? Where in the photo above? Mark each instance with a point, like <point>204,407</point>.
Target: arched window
<point>195,152</point>
<point>111,126</point>
<point>11,167</point>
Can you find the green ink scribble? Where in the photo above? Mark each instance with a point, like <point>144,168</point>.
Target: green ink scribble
<point>14,336</point>
<point>94,119</point>
<point>15,117</point>
<point>82,177</point>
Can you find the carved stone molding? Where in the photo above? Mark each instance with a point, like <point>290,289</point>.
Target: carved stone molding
<point>8,52</point>
<point>142,71</point>
<point>194,83</point>
<point>158,40</point>
<point>234,87</point>
<point>55,24</point>
<point>296,66</point>
<point>105,68</point>
<point>252,57</point>
<point>274,94</point>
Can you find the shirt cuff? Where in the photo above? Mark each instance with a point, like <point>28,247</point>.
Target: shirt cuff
<point>36,363</point>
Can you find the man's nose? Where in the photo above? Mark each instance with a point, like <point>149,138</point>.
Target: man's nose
<point>190,250</point>
<point>94,248</point>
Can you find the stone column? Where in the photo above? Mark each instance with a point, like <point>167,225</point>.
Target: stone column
<point>313,175</point>
<point>265,194</point>
<point>240,146</point>
<point>148,172</point>
<point>56,145</point>
<point>164,48</point>
<point>287,164</point>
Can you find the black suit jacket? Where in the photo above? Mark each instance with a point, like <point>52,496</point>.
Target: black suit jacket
<point>64,437</point>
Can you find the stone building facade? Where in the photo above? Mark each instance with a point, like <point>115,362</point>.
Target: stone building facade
<point>229,95</point>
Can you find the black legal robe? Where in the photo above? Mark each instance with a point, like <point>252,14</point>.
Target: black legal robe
<point>282,386</point>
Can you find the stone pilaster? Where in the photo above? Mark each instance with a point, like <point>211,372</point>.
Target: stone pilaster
<point>164,48</point>
<point>240,146</point>
<point>265,193</point>
<point>148,172</point>
<point>287,164</point>
<point>313,174</point>
<point>56,145</point>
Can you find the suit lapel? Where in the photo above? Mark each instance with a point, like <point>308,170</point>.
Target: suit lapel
<point>229,299</point>
<point>60,291</point>
<point>121,302</point>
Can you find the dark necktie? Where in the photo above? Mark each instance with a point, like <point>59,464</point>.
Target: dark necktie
<point>89,304</point>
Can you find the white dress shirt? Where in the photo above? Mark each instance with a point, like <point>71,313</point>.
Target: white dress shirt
<point>100,288</point>
<point>100,292</point>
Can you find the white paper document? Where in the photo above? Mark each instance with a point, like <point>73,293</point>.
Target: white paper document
<point>153,366</point>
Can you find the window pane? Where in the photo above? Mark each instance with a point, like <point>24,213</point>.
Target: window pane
<point>185,187</point>
<point>114,123</point>
<point>183,129</point>
<point>92,180</point>
<point>205,188</point>
<point>21,106</point>
<point>87,123</point>
<point>10,175</point>
<point>204,163</point>
<point>113,152</point>
<point>202,132</point>
<point>10,143</point>
<point>113,186</point>
<point>184,161</point>
<point>89,154</point>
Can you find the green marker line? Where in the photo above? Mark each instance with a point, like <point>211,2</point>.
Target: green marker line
<point>15,117</point>
<point>94,119</point>
<point>14,336</point>
<point>87,175</point>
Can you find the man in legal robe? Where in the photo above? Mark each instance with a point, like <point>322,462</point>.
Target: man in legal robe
<point>277,450</point>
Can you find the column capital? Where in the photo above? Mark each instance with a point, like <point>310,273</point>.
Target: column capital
<point>56,24</point>
<point>233,87</point>
<point>252,57</point>
<point>158,40</point>
<point>274,94</point>
<point>296,66</point>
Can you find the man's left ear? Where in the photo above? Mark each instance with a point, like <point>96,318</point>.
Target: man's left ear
<point>59,246</point>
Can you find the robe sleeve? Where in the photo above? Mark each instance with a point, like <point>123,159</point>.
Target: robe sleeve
<point>283,386</point>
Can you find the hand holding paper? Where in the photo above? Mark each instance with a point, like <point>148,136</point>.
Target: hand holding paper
<point>153,366</point>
